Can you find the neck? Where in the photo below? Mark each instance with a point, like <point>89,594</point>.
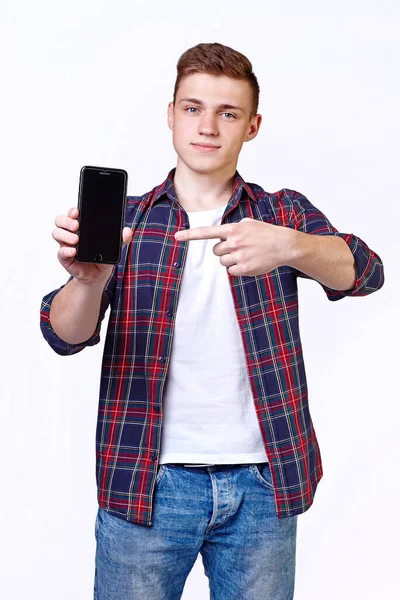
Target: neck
<point>199,191</point>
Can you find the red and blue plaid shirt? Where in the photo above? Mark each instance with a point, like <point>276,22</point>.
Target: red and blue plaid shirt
<point>143,294</point>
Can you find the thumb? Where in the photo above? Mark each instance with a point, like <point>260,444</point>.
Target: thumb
<point>126,236</point>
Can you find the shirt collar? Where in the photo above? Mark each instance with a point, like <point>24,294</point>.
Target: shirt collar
<point>167,188</point>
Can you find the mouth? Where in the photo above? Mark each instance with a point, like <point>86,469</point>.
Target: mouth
<point>205,147</point>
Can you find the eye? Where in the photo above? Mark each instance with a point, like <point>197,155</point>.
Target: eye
<point>190,109</point>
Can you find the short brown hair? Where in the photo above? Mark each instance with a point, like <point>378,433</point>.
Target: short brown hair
<point>217,59</point>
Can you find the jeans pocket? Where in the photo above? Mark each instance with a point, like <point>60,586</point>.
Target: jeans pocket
<point>262,473</point>
<point>96,525</point>
<point>160,473</point>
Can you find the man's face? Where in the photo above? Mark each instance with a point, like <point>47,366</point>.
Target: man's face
<point>215,110</point>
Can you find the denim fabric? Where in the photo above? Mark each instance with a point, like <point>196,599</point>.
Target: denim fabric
<point>225,512</point>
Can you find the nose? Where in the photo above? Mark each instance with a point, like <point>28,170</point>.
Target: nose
<point>208,124</point>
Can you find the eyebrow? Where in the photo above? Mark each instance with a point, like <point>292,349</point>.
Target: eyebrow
<point>201,103</point>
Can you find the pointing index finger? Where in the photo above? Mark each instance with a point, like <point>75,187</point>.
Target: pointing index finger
<point>202,233</point>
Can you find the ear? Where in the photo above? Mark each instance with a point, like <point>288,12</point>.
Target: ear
<point>254,128</point>
<point>171,115</point>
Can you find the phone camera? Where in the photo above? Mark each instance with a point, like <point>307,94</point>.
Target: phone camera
<point>98,257</point>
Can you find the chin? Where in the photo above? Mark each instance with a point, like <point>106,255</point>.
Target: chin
<point>203,169</point>
<point>203,164</point>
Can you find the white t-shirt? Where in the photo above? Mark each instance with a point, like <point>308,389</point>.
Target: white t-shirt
<point>209,414</point>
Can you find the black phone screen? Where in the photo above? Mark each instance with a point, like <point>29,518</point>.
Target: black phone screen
<point>102,195</point>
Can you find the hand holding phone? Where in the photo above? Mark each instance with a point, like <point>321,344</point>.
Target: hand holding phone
<point>67,238</point>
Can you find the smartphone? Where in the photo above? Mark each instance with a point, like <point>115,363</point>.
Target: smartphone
<point>101,204</point>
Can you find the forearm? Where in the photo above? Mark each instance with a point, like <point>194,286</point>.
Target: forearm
<point>75,310</point>
<point>326,258</point>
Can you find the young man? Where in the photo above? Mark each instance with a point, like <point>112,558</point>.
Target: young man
<point>204,440</point>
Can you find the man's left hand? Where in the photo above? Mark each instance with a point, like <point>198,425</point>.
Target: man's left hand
<point>249,247</point>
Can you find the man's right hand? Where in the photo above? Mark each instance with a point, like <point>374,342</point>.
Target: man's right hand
<point>65,233</point>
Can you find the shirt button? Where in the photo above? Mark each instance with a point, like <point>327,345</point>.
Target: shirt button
<point>186,226</point>
<point>153,457</point>
<point>169,313</point>
<point>176,264</point>
<point>161,359</point>
<point>156,408</point>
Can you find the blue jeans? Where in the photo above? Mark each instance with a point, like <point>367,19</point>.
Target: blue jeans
<point>225,512</point>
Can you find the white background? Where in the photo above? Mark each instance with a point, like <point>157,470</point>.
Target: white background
<point>88,82</point>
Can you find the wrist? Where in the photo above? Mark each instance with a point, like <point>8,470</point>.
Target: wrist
<point>296,248</point>
<point>92,284</point>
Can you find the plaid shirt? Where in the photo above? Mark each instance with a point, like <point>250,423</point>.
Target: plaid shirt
<point>143,294</point>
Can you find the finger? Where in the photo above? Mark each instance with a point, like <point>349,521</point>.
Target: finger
<point>203,233</point>
<point>67,223</point>
<point>66,253</point>
<point>127,234</point>
<point>221,248</point>
<point>227,260</point>
<point>73,212</point>
<point>62,236</point>
<point>235,270</point>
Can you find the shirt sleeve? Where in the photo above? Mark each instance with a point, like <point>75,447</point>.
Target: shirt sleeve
<point>55,342</point>
<point>370,274</point>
